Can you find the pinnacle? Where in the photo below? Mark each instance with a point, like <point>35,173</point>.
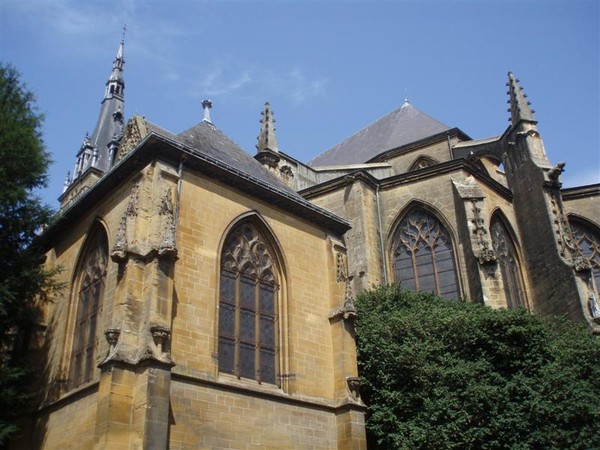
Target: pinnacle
<point>267,141</point>
<point>519,106</point>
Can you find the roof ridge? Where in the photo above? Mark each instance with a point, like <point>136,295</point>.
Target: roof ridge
<point>392,130</point>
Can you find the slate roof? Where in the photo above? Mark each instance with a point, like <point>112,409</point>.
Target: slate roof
<point>209,140</point>
<point>400,127</point>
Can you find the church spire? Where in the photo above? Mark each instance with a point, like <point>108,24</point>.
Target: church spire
<point>95,152</point>
<point>267,141</point>
<point>519,106</point>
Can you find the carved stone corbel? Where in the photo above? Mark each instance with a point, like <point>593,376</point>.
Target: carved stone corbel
<point>353,389</point>
<point>112,336</point>
<point>160,336</point>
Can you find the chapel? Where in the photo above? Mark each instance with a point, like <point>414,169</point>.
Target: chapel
<point>209,298</point>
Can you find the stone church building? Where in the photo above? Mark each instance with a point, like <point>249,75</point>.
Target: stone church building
<point>209,292</point>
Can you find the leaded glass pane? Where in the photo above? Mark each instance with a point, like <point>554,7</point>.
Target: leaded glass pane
<point>247,355</point>
<point>267,332</point>
<point>226,355</point>
<point>90,291</point>
<point>248,307</point>
<point>267,366</point>
<point>509,264</point>
<point>247,324</point>
<point>423,255</point>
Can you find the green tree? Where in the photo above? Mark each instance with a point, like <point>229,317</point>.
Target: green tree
<point>439,374</point>
<point>23,169</point>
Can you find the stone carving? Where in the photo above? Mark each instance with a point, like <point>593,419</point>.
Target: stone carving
<point>594,307</point>
<point>468,189</point>
<point>566,247</point>
<point>167,245</point>
<point>353,385</point>
<point>554,173</point>
<point>485,253</point>
<point>348,310</point>
<point>286,171</point>
<point>112,337</point>
<point>119,251</point>
<point>135,131</point>
<point>160,336</point>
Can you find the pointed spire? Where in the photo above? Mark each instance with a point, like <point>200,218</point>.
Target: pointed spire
<point>267,141</point>
<point>519,106</point>
<point>115,84</point>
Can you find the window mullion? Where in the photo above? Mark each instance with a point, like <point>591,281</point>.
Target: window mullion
<point>236,334</point>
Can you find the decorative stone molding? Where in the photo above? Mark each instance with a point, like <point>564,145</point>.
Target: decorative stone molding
<point>470,191</point>
<point>566,247</point>
<point>581,264</point>
<point>121,247</point>
<point>347,310</point>
<point>167,213</point>
<point>135,131</point>
<point>594,308</point>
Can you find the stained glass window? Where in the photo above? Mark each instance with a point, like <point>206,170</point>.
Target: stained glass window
<point>508,262</point>
<point>90,289</point>
<point>587,238</point>
<point>248,307</point>
<point>422,255</point>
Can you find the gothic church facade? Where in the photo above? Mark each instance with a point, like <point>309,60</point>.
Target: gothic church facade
<point>209,299</point>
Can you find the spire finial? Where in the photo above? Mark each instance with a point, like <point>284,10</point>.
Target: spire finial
<point>406,102</point>
<point>267,141</point>
<point>206,106</point>
<point>123,35</point>
<point>519,107</point>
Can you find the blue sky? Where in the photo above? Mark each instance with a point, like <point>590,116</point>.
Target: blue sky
<point>327,68</point>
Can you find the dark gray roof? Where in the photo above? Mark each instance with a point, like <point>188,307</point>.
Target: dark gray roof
<point>209,140</point>
<point>400,127</point>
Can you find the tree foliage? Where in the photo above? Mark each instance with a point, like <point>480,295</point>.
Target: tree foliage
<point>23,168</point>
<point>439,374</point>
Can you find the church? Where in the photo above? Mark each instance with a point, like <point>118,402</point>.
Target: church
<point>209,299</point>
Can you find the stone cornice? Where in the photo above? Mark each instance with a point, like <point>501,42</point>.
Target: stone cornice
<point>407,178</point>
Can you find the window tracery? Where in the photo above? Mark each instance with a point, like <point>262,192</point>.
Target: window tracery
<point>508,262</point>
<point>90,289</point>
<point>422,255</point>
<point>588,241</point>
<point>248,307</point>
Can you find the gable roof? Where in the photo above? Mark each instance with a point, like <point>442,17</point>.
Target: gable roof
<point>400,127</point>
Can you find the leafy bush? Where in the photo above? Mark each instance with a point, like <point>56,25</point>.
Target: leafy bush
<point>439,374</point>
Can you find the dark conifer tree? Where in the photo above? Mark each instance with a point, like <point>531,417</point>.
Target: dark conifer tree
<point>23,282</point>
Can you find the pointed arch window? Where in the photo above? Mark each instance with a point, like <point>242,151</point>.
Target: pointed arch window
<point>512,279</point>
<point>423,257</point>
<point>587,238</point>
<point>248,325</point>
<point>89,290</point>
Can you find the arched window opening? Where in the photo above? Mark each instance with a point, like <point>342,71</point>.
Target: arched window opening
<point>508,262</point>
<point>89,288</point>
<point>422,254</point>
<point>422,162</point>
<point>587,239</point>
<point>248,323</point>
